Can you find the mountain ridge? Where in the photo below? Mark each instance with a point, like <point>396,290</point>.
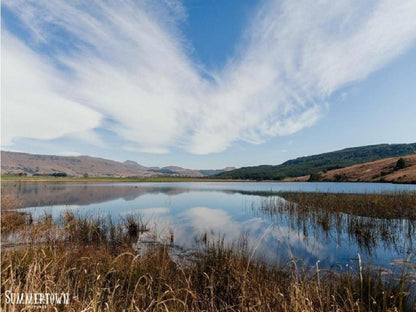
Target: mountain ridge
<point>381,170</point>
<point>33,164</point>
<point>13,163</point>
<point>307,165</point>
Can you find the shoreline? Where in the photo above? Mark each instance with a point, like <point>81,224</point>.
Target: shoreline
<point>20,179</point>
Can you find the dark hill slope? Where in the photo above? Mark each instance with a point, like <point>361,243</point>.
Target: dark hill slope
<point>321,162</point>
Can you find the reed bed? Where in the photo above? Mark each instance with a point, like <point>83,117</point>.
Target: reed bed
<point>401,205</point>
<point>103,268</point>
<point>368,219</point>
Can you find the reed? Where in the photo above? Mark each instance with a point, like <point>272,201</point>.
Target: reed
<point>369,219</point>
<point>100,265</point>
<point>377,205</point>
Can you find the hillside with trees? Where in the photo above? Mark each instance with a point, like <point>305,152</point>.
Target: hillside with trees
<point>321,163</point>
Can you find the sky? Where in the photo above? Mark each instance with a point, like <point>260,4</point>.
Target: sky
<point>206,83</point>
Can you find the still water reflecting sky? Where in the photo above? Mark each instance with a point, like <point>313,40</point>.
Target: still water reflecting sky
<point>230,210</point>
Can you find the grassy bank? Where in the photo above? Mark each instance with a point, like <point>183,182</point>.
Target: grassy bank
<point>105,267</point>
<point>396,205</point>
<point>369,220</point>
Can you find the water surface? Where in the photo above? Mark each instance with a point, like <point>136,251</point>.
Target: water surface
<point>231,210</point>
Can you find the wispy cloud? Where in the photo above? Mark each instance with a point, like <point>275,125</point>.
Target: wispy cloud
<point>32,102</point>
<point>127,61</point>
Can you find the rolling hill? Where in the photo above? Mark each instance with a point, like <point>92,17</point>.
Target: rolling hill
<point>321,163</point>
<point>13,163</point>
<point>383,170</point>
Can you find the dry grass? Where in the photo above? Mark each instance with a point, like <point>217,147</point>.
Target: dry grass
<point>382,170</point>
<point>96,262</point>
<point>397,205</point>
<point>368,219</point>
<point>12,221</point>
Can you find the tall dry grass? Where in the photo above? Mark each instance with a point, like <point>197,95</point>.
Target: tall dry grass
<point>368,219</point>
<point>97,262</point>
<point>400,204</point>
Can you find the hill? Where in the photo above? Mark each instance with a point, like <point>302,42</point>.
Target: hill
<point>321,163</point>
<point>383,170</point>
<point>13,163</point>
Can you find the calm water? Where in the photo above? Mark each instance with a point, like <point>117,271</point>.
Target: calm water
<point>230,210</point>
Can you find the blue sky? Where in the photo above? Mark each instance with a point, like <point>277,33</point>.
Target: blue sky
<point>206,84</point>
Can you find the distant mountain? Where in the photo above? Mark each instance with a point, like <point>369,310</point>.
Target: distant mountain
<point>174,170</point>
<point>320,163</point>
<point>77,166</point>
<point>133,165</point>
<point>216,171</point>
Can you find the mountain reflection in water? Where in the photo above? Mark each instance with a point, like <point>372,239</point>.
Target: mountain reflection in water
<point>271,224</point>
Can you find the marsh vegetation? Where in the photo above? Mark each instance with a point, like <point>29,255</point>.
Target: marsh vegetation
<point>109,266</point>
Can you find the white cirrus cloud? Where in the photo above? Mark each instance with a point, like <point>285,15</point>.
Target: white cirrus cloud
<point>32,103</point>
<point>127,62</point>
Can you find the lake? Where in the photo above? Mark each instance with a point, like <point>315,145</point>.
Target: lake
<point>232,210</point>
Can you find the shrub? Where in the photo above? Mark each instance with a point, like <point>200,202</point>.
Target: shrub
<point>401,163</point>
<point>316,176</point>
